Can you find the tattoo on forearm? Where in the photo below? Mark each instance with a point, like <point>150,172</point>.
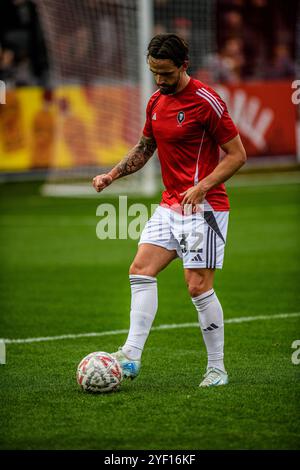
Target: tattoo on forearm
<point>137,157</point>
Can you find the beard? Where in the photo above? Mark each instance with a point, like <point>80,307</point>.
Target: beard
<point>168,89</point>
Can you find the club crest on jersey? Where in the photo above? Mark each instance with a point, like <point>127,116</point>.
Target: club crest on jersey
<point>180,117</point>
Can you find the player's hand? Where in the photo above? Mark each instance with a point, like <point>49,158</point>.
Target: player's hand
<point>193,196</point>
<point>101,181</point>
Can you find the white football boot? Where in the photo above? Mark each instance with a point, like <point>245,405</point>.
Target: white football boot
<point>129,367</point>
<point>214,377</point>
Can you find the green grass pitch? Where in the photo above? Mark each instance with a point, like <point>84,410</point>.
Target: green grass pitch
<point>58,278</point>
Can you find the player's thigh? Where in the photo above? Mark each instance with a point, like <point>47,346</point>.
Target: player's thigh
<point>199,280</point>
<point>151,259</point>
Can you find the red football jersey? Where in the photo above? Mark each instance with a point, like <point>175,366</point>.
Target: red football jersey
<point>189,126</point>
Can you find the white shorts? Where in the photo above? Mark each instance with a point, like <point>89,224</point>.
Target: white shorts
<point>199,239</point>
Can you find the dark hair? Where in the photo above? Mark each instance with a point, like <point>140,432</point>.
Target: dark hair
<point>168,46</point>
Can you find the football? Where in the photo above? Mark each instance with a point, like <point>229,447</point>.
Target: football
<point>99,372</point>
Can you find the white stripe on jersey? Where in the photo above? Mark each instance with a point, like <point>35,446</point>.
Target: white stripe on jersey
<point>196,180</point>
<point>212,103</point>
<point>210,95</point>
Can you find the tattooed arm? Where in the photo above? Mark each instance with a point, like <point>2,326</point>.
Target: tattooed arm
<point>134,161</point>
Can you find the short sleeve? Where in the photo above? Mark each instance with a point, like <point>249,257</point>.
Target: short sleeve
<point>147,131</point>
<point>226,129</point>
<point>215,118</point>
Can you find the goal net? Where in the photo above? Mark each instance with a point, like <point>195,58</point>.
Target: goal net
<point>101,82</point>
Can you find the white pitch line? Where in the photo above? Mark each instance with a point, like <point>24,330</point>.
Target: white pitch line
<point>155,328</point>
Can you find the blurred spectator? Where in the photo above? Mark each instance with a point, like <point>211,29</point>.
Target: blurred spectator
<point>162,16</point>
<point>109,39</point>
<point>258,24</point>
<point>282,65</point>
<point>90,45</point>
<point>73,53</point>
<point>21,35</point>
<point>159,28</point>
<point>232,25</point>
<point>227,66</point>
<point>183,27</point>
<point>6,64</point>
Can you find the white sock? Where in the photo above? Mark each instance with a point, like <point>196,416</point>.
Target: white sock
<point>210,315</point>
<point>144,305</point>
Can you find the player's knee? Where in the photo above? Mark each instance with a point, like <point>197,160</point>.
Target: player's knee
<point>196,288</point>
<point>139,269</point>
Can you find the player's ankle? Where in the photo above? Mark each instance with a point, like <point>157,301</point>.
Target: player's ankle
<point>216,365</point>
<point>132,353</point>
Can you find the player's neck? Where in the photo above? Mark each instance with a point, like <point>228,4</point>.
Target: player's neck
<point>183,82</point>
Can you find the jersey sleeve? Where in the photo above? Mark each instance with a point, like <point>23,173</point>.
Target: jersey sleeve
<point>215,117</point>
<point>147,131</point>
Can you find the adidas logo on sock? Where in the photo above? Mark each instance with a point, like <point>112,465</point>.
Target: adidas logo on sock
<point>211,327</point>
<point>197,258</point>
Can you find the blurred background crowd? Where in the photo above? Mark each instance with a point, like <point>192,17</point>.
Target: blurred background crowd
<point>255,39</point>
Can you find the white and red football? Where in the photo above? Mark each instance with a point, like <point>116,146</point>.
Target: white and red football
<point>99,372</point>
